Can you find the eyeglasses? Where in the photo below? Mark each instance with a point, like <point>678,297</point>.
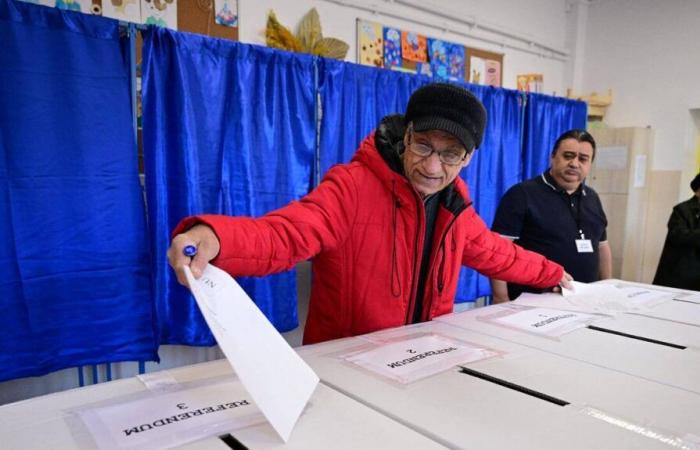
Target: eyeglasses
<point>449,157</point>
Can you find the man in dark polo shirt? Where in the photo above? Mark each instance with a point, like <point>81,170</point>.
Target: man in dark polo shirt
<point>557,215</point>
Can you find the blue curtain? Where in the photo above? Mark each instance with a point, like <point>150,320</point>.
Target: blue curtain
<point>354,99</point>
<point>495,167</point>
<point>75,284</point>
<point>546,118</point>
<point>229,128</point>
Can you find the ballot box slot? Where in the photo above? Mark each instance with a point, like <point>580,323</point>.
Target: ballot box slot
<point>633,336</point>
<point>513,386</point>
<point>232,442</point>
<point>685,301</point>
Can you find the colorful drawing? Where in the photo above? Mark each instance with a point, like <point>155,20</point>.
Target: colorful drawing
<point>370,43</point>
<point>413,46</point>
<point>226,12</point>
<point>392,47</point>
<point>126,10</point>
<point>437,52</point>
<point>493,73</point>
<point>162,13</point>
<point>455,62</point>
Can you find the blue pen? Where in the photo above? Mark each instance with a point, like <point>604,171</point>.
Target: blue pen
<point>189,250</point>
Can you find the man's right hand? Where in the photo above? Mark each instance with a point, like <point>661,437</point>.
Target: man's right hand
<point>203,238</point>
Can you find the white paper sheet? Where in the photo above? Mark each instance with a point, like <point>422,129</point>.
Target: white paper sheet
<point>599,298</point>
<point>278,380</point>
<point>408,360</point>
<point>541,321</point>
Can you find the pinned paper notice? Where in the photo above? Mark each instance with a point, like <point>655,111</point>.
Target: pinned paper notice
<point>277,379</point>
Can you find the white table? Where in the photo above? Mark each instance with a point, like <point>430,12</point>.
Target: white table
<point>463,411</point>
<point>332,420</point>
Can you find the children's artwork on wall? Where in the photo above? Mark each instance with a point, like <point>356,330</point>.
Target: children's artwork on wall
<point>413,46</point>
<point>392,47</point>
<point>484,67</point>
<point>437,52</point>
<point>493,73</point>
<point>530,82</point>
<point>162,13</point>
<point>126,10</point>
<point>455,61</point>
<point>226,12</point>
<point>370,43</point>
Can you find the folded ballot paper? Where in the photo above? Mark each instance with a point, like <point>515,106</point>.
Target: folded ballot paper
<point>599,298</point>
<point>276,378</point>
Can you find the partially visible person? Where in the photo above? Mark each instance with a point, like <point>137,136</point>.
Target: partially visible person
<point>556,215</point>
<point>388,232</point>
<point>679,265</point>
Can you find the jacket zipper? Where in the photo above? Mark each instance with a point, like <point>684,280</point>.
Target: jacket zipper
<point>420,235</point>
<point>441,268</point>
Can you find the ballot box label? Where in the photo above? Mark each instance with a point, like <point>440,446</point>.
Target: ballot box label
<point>410,359</point>
<point>541,321</point>
<point>167,419</point>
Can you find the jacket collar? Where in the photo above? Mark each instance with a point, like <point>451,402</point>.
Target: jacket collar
<point>381,153</point>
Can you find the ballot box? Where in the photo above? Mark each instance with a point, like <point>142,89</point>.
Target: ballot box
<point>517,396</point>
<point>662,356</point>
<point>330,420</point>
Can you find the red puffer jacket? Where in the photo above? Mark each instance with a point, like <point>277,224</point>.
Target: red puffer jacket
<point>364,228</point>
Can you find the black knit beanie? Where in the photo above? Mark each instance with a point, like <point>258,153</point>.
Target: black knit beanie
<point>695,184</point>
<point>449,108</point>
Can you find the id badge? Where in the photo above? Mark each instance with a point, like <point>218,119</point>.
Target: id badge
<point>584,246</point>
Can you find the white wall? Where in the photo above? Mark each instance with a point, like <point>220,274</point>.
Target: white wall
<point>647,52</point>
<point>538,21</point>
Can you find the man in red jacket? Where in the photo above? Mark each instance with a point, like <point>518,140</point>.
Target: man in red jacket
<point>387,232</point>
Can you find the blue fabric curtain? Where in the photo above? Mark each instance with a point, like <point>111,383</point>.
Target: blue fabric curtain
<point>75,284</point>
<point>495,167</point>
<point>354,99</point>
<point>229,128</point>
<point>546,118</point>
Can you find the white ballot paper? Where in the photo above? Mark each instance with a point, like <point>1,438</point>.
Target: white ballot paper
<point>599,298</point>
<point>277,379</point>
<point>408,360</point>
<point>541,321</point>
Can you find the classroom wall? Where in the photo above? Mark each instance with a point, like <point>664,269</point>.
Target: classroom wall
<point>528,23</point>
<point>646,52</point>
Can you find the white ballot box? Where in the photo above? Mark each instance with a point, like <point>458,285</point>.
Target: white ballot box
<point>684,306</point>
<point>331,419</point>
<point>660,357</point>
<point>513,397</point>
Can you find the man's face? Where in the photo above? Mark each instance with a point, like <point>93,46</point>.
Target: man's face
<point>571,163</point>
<point>428,174</point>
